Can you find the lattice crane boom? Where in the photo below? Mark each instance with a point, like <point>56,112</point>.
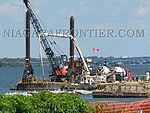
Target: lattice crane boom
<point>44,42</point>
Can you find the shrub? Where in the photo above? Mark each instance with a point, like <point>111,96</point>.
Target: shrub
<point>45,102</point>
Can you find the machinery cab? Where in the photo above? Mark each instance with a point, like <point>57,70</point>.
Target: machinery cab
<point>120,73</point>
<point>82,76</point>
<point>101,74</point>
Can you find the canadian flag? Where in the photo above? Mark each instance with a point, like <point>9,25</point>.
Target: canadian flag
<point>128,73</point>
<point>97,50</point>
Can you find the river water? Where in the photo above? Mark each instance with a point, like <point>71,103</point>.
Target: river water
<point>9,76</point>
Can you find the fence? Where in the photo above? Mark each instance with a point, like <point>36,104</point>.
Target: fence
<point>122,107</point>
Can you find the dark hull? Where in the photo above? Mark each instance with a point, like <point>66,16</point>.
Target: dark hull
<point>40,86</point>
<point>123,95</point>
<point>51,86</point>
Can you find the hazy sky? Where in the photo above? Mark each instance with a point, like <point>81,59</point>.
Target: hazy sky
<point>117,15</point>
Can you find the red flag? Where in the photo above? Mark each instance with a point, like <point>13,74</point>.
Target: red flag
<point>129,73</point>
<point>97,50</point>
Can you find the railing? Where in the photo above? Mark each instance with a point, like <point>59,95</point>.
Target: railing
<point>124,89</point>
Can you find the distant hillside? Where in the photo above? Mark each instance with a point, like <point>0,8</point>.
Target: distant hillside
<point>8,62</point>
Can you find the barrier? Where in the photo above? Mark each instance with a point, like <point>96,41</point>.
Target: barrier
<point>102,101</point>
<point>122,107</point>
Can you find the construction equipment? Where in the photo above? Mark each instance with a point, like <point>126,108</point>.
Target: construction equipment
<point>60,73</point>
<point>52,58</point>
<point>85,72</point>
<point>56,69</point>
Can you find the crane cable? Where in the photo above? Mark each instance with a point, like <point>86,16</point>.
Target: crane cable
<point>47,30</point>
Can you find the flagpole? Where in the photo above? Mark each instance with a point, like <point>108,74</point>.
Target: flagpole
<point>93,51</point>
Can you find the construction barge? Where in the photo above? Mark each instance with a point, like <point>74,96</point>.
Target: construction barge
<point>70,74</point>
<point>63,71</point>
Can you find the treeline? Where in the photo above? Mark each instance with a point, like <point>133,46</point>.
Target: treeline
<point>12,62</point>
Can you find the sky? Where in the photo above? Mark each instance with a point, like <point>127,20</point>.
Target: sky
<point>124,17</point>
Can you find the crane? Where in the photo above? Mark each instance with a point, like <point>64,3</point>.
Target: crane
<point>44,41</point>
<point>56,69</point>
<point>86,71</point>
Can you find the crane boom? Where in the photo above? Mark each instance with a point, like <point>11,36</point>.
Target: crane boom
<point>44,42</point>
<point>75,43</point>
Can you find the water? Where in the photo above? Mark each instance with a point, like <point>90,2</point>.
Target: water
<point>89,98</point>
<point>12,75</point>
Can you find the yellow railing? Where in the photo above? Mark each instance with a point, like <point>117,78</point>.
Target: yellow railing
<point>35,82</point>
<point>139,75</point>
<point>74,84</point>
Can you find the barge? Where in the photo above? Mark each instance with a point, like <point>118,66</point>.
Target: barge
<point>122,91</point>
<point>66,73</point>
<point>63,70</point>
<point>39,86</point>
